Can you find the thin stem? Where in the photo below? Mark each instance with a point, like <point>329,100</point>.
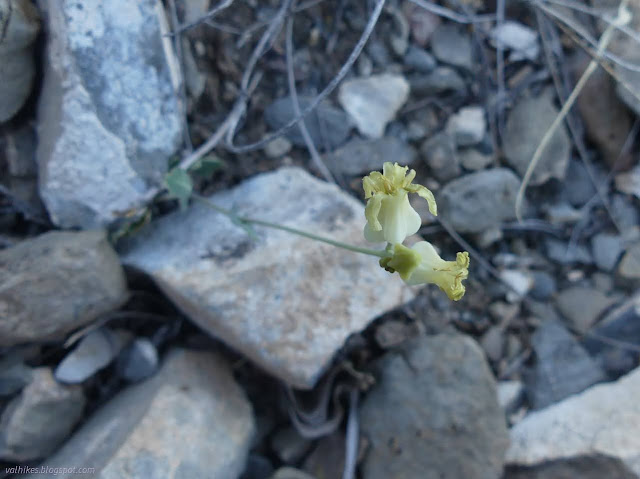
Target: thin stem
<point>244,219</point>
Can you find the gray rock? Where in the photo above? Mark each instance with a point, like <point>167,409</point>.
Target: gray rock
<point>373,102</point>
<point>108,115</point>
<point>473,160</point>
<point>563,213</point>
<point>452,45</point>
<point>19,24</point>
<point>559,251</point>
<point>434,413</point>
<point>630,264</point>
<point>578,187</point>
<point>629,182</point>
<point>606,249</point>
<point>492,343</point>
<point>288,316</point>
<point>37,421</point>
<point>479,201</point>
<point>190,420</point>
<point>526,125</point>
<point>394,332</point>
<point>327,457</point>
<point>626,215</point>
<point>328,126</point>
<point>94,352</point>
<point>468,125</point>
<point>595,466</point>
<point>439,152</point>
<point>603,419</point>
<point>290,473</point>
<point>138,361</point>
<point>14,375</point>
<point>520,39</point>
<point>544,285</point>
<point>363,156</point>
<point>582,306</point>
<point>289,446</point>
<point>562,366</point>
<point>510,394</point>
<point>419,59</point>
<point>441,80</point>
<point>55,283</point>
<point>258,467</point>
<point>278,147</point>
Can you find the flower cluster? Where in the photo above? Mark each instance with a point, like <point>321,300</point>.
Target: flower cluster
<point>391,218</point>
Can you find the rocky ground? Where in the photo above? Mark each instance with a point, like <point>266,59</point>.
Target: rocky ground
<point>145,335</point>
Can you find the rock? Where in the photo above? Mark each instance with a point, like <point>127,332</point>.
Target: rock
<point>479,201</point>
<point>327,457</point>
<point>290,316</point>
<point>290,473</point>
<point>559,251</point>
<point>473,160</point>
<point>451,45</point>
<point>439,152</point>
<point>630,265</point>
<point>14,375</point>
<point>606,249</point>
<point>363,156</point>
<point>422,23</point>
<point>108,95</point>
<point>420,60</point>
<point>562,366</point>
<point>563,213</point>
<point>373,102</point>
<point>520,281</point>
<point>510,395</point>
<point>289,446</point>
<point>394,332</point>
<point>138,361</point>
<point>468,125</point>
<point>37,421</point>
<point>258,467</point>
<point>582,306</point>
<point>55,283</point>
<point>492,343</point>
<point>544,285</point>
<point>441,80</point>
<point>629,182</point>
<point>520,39</point>
<point>432,401</point>
<point>278,147</point>
<point>94,352</point>
<point>578,187</point>
<point>603,419</point>
<point>626,215</point>
<point>585,467</point>
<point>19,24</point>
<point>526,125</point>
<point>190,420</point>
<point>328,126</point>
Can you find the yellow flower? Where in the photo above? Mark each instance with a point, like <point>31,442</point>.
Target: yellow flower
<point>421,264</point>
<point>389,215</point>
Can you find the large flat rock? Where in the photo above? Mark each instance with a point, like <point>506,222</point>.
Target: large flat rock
<point>285,301</point>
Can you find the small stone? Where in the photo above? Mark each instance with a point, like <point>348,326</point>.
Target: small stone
<point>258,467</point>
<point>37,421</point>
<point>422,23</point>
<point>473,160</point>
<point>560,252</point>
<point>526,125</point>
<point>630,264</point>
<point>420,60</point>
<point>291,473</point>
<point>392,333</point>
<point>289,446</point>
<point>14,375</point>
<point>503,313</point>
<point>510,395</point>
<point>582,306</point>
<point>138,361</point>
<point>278,147</point>
<point>451,45</point>
<point>629,182</point>
<point>578,187</point>
<point>520,281</point>
<point>94,352</point>
<point>468,125</point>
<point>520,39</point>
<point>478,201</point>
<point>492,343</point>
<point>439,152</point>
<point>563,213</point>
<point>373,102</point>
<point>55,283</point>
<point>562,366</point>
<point>363,156</point>
<point>441,80</point>
<point>602,282</point>
<point>544,285</point>
<point>606,249</point>
<point>489,236</point>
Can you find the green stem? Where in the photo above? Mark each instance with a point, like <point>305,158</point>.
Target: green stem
<point>306,234</point>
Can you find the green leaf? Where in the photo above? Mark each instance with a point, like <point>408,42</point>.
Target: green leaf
<point>206,165</point>
<point>180,186</point>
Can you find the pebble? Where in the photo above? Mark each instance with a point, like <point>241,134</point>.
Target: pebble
<point>468,126</point>
<point>420,60</point>
<point>629,267</point>
<point>591,466</point>
<point>278,147</point>
<point>290,473</point>
<point>520,39</point>
<point>544,285</point>
<point>289,446</point>
<point>559,251</point>
<point>360,156</point>
<point>14,375</point>
<point>629,182</point>
<point>474,160</point>
<point>373,102</point>
<point>578,187</point>
<point>439,152</point>
<point>520,281</point>
<point>441,80</point>
<point>563,213</point>
<point>451,45</point>
<point>606,249</point>
<point>582,306</point>
<point>138,361</point>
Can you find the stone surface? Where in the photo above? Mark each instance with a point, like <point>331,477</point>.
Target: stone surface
<point>328,126</point>
<point>14,375</point>
<point>479,201</point>
<point>289,445</point>
<point>452,45</point>
<point>19,24</point>
<point>419,60</point>
<point>373,102</point>
<point>544,285</point>
<point>190,420</point>
<point>474,160</point>
<point>468,125</point>
<point>578,187</point>
<point>278,147</point>
<point>562,366</point>
<point>439,152</point>
<point>441,80</point>
<point>582,306</point>
<point>138,360</point>
<point>363,156</point>
<point>285,301</point>
<point>603,419</point>
<point>630,264</point>
<point>327,457</point>
<point>595,466</point>
<point>629,182</point>
<point>290,473</point>
<point>55,283</point>
<point>520,39</point>
<point>526,125</point>
<point>434,413</point>
<point>108,115</point>
<point>38,420</point>
<point>560,252</point>
<point>606,249</point>
<point>510,395</point>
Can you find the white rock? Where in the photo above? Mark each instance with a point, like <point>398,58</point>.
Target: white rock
<point>285,301</point>
<point>604,419</point>
<point>520,281</point>
<point>374,101</point>
<point>509,394</point>
<point>629,182</point>
<point>522,40</point>
<point>468,125</point>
